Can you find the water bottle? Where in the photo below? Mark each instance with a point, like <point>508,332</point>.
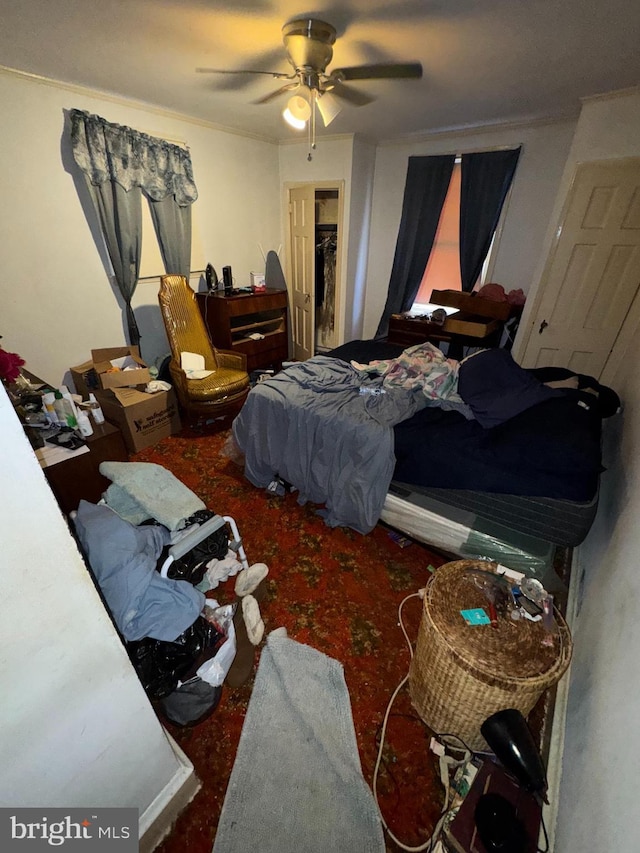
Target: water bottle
<point>96,412</point>
<point>84,424</point>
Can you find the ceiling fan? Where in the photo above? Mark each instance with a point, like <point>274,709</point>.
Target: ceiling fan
<point>309,47</point>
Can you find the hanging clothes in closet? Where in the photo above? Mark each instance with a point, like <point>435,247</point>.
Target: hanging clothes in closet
<point>326,248</point>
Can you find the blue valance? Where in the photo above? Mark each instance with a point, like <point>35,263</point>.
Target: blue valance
<point>113,152</point>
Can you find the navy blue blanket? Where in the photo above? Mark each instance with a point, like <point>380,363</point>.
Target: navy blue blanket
<point>536,442</point>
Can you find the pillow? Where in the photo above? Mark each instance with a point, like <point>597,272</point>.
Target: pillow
<point>496,388</point>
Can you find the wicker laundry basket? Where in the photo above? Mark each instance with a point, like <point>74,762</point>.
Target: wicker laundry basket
<point>462,674</point>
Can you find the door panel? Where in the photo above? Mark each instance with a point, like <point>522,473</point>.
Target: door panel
<point>302,224</point>
<point>593,272</point>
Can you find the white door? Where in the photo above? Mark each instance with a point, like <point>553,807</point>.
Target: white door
<point>593,272</point>
<point>302,226</point>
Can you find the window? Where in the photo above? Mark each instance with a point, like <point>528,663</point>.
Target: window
<point>151,266</point>
<point>443,267</point>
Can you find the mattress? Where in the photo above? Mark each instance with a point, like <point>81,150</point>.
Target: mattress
<point>560,522</point>
<point>536,474</point>
<point>460,533</point>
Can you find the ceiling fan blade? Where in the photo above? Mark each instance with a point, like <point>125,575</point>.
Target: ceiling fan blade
<point>271,97</point>
<point>391,71</point>
<point>347,93</point>
<point>277,74</point>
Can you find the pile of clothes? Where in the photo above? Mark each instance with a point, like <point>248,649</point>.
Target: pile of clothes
<point>182,644</point>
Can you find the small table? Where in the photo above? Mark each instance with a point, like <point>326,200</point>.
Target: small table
<point>78,477</point>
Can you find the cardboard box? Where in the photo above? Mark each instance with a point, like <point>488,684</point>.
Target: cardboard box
<point>93,375</point>
<point>102,362</point>
<point>142,418</point>
<point>85,379</point>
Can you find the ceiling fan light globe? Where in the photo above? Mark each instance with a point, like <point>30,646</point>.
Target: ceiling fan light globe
<point>298,112</point>
<point>299,107</point>
<point>328,107</point>
<point>291,120</point>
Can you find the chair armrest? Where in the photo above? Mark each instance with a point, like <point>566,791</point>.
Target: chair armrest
<point>235,360</point>
<point>178,376</point>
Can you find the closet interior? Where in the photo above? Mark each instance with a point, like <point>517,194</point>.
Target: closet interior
<point>326,250</point>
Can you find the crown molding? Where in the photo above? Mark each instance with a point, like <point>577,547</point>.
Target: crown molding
<point>407,139</point>
<point>474,130</point>
<point>606,96</point>
<point>120,100</point>
<point>333,137</point>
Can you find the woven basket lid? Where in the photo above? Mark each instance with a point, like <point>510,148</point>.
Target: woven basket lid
<point>512,653</point>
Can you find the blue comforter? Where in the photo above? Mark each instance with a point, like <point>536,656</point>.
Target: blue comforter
<point>328,430</point>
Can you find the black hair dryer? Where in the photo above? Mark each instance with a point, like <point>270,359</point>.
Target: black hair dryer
<point>510,738</point>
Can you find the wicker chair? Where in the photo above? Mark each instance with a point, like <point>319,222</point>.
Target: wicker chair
<point>225,390</point>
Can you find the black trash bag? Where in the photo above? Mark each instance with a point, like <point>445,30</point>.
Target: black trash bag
<point>191,703</point>
<point>161,664</point>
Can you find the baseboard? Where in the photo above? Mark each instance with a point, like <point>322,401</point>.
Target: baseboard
<point>159,817</point>
<point>556,745</point>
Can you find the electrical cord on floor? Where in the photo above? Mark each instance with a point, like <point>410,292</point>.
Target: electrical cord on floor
<point>388,765</point>
<point>546,837</point>
<point>447,763</point>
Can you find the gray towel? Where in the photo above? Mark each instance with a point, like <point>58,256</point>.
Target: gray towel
<point>297,785</point>
<point>143,490</point>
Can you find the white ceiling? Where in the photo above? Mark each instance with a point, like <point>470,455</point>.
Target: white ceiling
<point>485,61</point>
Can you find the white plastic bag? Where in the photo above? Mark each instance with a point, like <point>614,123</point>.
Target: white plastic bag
<point>214,671</point>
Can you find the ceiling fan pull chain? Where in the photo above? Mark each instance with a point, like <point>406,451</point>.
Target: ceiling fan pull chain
<point>312,127</point>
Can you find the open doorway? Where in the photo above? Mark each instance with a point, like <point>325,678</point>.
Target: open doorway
<point>315,212</point>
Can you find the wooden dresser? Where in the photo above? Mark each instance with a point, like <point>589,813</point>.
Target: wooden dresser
<point>231,320</point>
<point>477,323</point>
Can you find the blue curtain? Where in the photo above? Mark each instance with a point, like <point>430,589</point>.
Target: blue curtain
<point>119,163</point>
<point>172,225</point>
<point>120,215</point>
<point>424,194</point>
<point>486,179</point>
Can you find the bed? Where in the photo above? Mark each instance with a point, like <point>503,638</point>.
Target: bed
<point>521,455</point>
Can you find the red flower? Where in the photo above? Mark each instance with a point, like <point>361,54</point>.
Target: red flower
<point>10,364</point>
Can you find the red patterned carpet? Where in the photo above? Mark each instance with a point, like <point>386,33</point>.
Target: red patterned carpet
<point>332,589</point>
